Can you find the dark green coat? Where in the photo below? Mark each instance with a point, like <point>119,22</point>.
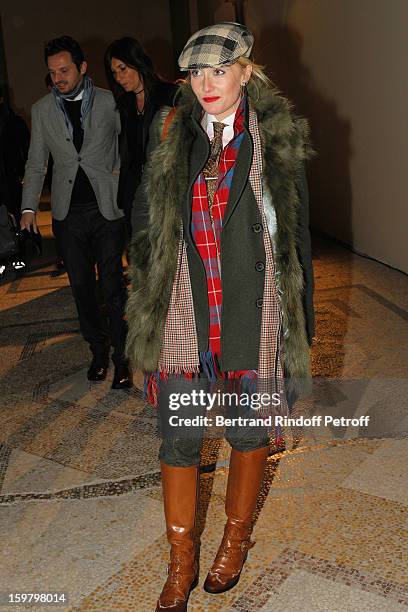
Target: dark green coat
<point>165,199</point>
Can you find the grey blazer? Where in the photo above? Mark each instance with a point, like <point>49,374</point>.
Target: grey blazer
<point>99,155</point>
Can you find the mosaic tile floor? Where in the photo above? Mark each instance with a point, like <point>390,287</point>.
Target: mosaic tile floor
<point>80,496</point>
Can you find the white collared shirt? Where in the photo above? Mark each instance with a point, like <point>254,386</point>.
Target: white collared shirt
<point>228,133</point>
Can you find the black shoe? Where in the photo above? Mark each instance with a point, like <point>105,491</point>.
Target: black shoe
<point>19,267</point>
<point>97,370</point>
<point>122,378</point>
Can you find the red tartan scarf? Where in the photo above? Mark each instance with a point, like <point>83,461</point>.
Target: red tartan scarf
<point>207,235</point>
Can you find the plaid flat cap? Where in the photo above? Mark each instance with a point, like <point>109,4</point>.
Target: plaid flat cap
<point>222,43</point>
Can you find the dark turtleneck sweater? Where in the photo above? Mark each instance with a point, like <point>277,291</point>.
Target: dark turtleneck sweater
<point>83,195</point>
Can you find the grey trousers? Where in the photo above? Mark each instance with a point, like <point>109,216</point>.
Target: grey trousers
<point>181,446</point>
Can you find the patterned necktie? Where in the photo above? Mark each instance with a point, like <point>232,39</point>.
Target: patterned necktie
<point>211,168</point>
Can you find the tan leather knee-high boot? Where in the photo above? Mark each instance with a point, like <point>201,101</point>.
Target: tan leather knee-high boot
<point>244,480</point>
<point>180,489</point>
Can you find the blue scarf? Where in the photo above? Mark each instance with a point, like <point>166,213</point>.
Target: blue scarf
<point>86,85</point>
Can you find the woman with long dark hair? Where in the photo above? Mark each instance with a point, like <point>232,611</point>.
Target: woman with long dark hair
<point>223,283</point>
<point>139,92</point>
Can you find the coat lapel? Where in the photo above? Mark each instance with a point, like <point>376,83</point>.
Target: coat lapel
<point>87,130</point>
<point>58,120</point>
<point>241,174</point>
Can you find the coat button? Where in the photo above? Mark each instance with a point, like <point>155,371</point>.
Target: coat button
<point>69,180</point>
<point>259,266</point>
<point>79,158</point>
<point>259,303</point>
<point>257,227</point>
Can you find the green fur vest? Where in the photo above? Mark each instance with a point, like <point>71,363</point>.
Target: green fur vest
<point>163,202</point>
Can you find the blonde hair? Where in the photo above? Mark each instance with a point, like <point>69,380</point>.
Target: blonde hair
<point>257,71</point>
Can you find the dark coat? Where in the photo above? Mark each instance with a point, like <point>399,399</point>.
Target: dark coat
<point>14,143</point>
<point>130,173</point>
<point>166,192</point>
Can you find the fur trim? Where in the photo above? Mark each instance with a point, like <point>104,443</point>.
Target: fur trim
<point>154,258</point>
<point>285,147</point>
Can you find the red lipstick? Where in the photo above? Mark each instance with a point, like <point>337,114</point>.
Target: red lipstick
<point>212,99</point>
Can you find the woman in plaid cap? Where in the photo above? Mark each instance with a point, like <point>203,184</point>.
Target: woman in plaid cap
<point>223,278</point>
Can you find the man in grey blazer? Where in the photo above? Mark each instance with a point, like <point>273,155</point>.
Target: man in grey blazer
<point>79,124</point>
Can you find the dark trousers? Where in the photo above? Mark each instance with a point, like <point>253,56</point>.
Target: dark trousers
<point>57,244</point>
<point>86,238</point>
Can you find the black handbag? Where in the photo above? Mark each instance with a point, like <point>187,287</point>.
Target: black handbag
<point>9,246</point>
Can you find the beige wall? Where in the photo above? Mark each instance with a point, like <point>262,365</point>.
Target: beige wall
<point>354,60</point>
<point>28,24</point>
<point>344,64</point>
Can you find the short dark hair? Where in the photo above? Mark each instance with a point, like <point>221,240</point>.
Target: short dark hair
<point>64,43</point>
<point>129,51</point>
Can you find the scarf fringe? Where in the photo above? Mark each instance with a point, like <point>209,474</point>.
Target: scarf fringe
<point>151,384</point>
<point>242,381</point>
<point>209,366</point>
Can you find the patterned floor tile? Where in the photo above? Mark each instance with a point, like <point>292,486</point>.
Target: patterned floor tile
<point>80,496</point>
